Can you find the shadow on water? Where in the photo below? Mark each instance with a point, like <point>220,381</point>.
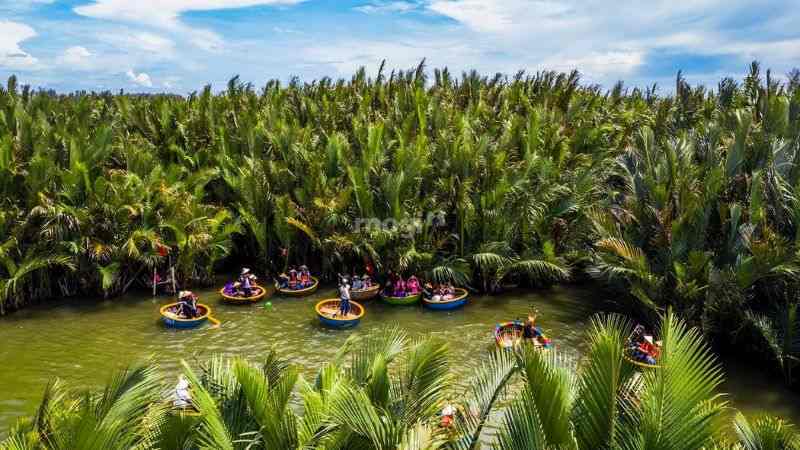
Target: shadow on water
<point>83,341</point>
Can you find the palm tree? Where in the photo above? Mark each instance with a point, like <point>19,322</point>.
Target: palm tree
<point>112,419</point>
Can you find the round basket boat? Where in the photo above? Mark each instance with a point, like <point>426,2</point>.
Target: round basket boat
<point>508,335</point>
<point>299,292</point>
<point>459,299</point>
<point>172,320</point>
<point>260,292</point>
<point>365,294</point>
<point>626,354</point>
<point>328,313</point>
<point>407,300</point>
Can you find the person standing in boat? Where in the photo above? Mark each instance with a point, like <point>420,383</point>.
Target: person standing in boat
<point>344,298</point>
<point>247,280</point>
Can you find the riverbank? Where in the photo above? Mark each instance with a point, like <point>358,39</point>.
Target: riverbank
<point>84,341</point>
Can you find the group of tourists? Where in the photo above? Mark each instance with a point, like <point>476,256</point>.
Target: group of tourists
<point>642,348</point>
<point>396,286</point>
<point>187,305</point>
<point>361,283</point>
<point>439,292</point>
<point>296,279</point>
<point>243,286</point>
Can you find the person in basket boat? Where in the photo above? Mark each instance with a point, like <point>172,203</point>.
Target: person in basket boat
<point>294,281</point>
<point>283,281</point>
<point>305,277</point>
<point>642,347</point>
<point>229,289</point>
<point>366,282</point>
<point>400,287</point>
<point>389,288</point>
<point>247,280</point>
<point>434,293</point>
<point>531,332</point>
<point>448,415</point>
<point>427,290</point>
<point>187,305</point>
<point>449,291</point>
<point>357,283</point>
<point>344,298</point>
<point>412,285</point>
<point>182,396</point>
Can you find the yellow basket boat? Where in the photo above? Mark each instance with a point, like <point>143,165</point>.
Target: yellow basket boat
<point>244,300</point>
<point>299,292</point>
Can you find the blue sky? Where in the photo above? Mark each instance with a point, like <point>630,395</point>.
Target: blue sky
<point>181,45</point>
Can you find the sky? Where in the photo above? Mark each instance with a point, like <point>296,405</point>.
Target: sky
<point>181,45</point>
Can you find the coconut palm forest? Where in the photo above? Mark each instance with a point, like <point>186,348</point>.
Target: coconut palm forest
<point>679,206</point>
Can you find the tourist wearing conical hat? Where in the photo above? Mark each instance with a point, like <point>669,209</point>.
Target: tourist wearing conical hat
<point>247,280</point>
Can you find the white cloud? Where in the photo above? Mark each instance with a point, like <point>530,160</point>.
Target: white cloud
<point>140,41</point>
<point>607,40</point>
<point>384,7</point>
<point>76,57</point>
<point>600,65</point>
<point>142,79</point>
<point>170,82</point>
<point>501,16</point>
<point>165,14</point>
<point>12,56</point>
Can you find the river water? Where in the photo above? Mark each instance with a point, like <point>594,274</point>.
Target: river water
<point>84,341</point>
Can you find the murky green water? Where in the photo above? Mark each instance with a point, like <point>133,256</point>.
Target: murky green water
<point>83,342</point>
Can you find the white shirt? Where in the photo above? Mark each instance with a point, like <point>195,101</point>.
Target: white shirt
<point>344,292</point>
<point>182,396</point>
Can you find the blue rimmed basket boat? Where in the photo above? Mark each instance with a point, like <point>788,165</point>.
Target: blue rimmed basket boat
<point>328,313</point>
<point>169,314</point>
<point>459,300</point>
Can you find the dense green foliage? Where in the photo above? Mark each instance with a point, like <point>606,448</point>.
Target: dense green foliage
<point>689,200</point>
<point>385,392</point>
